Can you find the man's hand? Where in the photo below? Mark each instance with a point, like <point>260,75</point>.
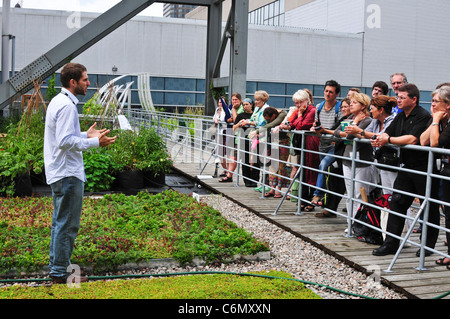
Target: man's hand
<point>92,132</point>
<point>106,140</point>
<point>103,139</point>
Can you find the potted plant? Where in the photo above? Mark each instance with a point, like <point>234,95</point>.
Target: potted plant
<point>152,156</point>
<point>21,154</point>
<point>136,156</point>
<point>123,161</point>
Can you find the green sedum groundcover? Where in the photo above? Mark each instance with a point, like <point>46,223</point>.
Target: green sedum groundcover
<point>118,229</point>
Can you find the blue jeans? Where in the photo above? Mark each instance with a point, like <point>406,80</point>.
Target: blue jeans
<point>325,162</point>
<point>67,204</point>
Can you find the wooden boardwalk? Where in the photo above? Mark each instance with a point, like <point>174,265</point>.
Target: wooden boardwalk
<point>329,235</point>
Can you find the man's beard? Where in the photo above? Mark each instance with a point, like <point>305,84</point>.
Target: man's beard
<point>79,91</point>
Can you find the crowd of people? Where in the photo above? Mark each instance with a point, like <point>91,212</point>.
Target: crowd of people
<point>387,122</point>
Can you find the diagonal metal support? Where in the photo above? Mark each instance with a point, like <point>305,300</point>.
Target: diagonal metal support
<point>71,47</point>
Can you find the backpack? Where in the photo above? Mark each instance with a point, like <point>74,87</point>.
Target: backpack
<point>337,107</point>
<point>364,233</point>
<point>370,216</point>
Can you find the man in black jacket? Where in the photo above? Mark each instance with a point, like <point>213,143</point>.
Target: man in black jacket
<point>406,130</point>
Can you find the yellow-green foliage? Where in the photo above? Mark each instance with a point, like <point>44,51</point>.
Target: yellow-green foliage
<point>214,286</point>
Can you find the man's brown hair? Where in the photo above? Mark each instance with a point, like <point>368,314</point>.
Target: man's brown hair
<point>71,71</point>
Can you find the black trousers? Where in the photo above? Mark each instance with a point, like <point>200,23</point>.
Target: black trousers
<point>412,183</point>
<point>335,184</point>
<point>446,198</point>
<point>250,166</point>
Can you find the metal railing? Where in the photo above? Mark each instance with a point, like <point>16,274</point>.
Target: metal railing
<point>201,141</point>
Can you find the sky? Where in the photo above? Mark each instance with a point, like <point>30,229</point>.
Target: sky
<point>155,9</point>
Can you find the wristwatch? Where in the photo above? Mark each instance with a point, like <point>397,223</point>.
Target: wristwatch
<point>363,133</point>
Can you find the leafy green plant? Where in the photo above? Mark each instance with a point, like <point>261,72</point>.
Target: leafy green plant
<point>92,107</point>
<point>144,150</point>
<point>21,150</point>
<point>98,167</point>
<point>217,92</point>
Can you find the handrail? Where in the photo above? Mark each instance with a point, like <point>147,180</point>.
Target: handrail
<point>190,134</point>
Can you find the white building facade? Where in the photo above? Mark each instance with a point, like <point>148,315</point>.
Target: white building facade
<point>355,42</point>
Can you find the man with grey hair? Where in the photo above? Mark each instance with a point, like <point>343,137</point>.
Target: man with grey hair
<point>397,81</point>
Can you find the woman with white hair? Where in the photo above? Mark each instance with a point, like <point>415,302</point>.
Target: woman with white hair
<point>301,120</point>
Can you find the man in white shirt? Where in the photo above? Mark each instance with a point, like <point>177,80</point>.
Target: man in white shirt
<point>64,144</point>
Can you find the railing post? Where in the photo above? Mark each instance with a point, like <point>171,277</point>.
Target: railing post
<point>300,176</point>
<point>429,183</point>
<point>158,124</point>
<point>239,155</point>
<point>263,192</point>
<point>200,162</point>
<point>352,192</point>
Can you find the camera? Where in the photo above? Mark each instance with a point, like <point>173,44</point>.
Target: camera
<point>317,127</point>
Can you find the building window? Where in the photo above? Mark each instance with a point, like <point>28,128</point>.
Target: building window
<point>270,14</point>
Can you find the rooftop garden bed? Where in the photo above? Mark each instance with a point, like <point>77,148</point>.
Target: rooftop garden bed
<point>118,229</point>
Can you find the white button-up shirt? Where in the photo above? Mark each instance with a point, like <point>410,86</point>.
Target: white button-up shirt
<point>64,142</point>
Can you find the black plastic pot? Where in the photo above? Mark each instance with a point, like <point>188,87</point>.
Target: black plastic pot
<point>152,179</point>
<point>130,179</point>
<point>38,179</point>
<point>23,186</point>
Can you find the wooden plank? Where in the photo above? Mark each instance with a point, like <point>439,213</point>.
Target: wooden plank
<point>329,233</point>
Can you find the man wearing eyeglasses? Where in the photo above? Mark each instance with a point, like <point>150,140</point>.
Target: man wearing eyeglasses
<point>406,129</point>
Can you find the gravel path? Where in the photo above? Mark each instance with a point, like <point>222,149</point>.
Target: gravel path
<point>297,257</point>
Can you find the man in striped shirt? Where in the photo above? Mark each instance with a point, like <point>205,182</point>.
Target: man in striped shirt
<point>327,114</point>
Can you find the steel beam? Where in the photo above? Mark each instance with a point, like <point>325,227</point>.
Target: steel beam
<point>236,34</point>
<point>206,3</point>
<point>71,47</point>
<point>239,47</point>
<point>214,30</point>
<point>236,30</point>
